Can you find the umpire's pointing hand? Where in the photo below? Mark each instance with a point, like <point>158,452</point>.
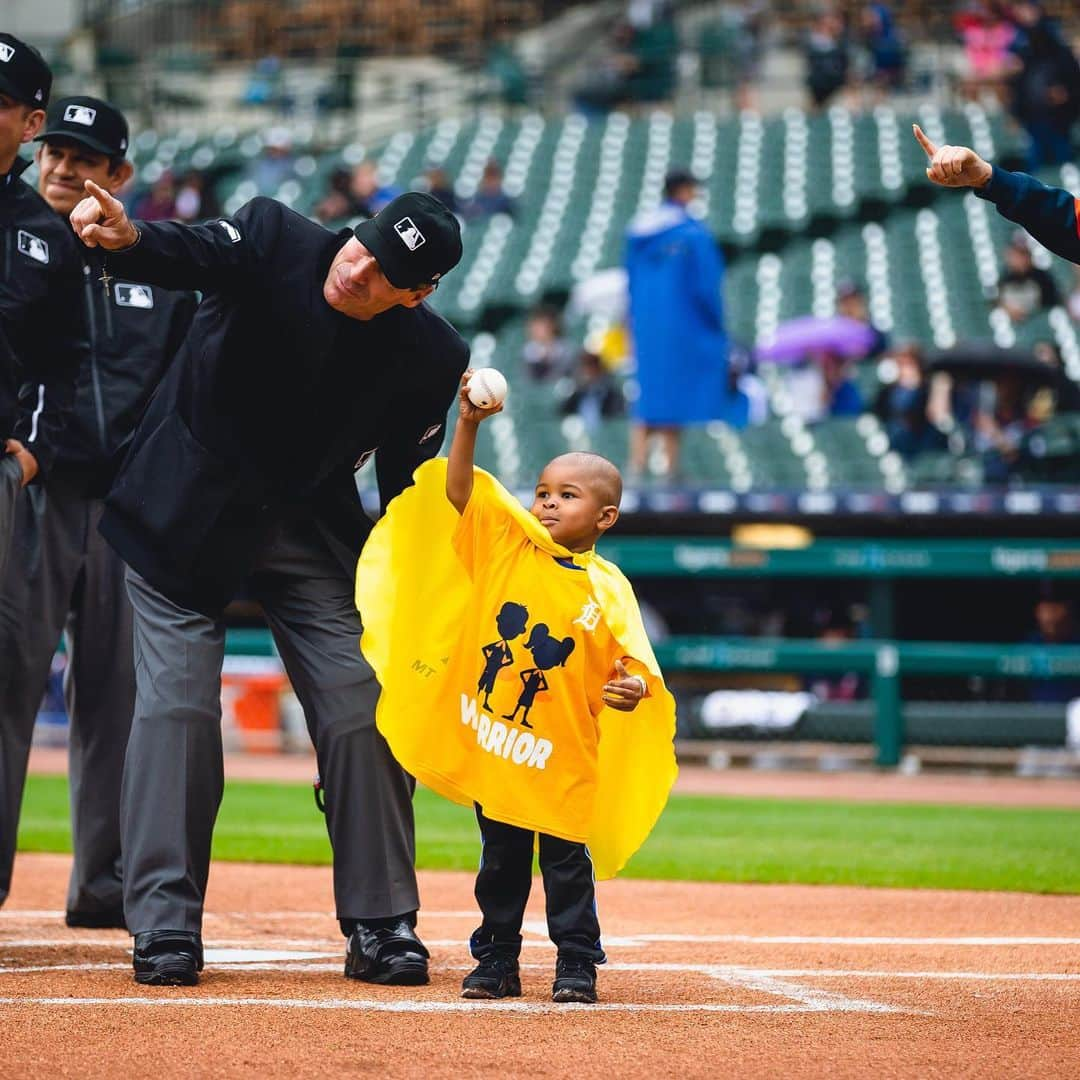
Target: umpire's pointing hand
<point>953,166</point>
<point>99,220</point>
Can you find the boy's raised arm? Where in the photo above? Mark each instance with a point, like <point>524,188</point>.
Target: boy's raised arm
<point>459,467</point>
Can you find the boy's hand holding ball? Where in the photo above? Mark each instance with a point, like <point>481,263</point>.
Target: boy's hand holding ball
<point>482,393</point>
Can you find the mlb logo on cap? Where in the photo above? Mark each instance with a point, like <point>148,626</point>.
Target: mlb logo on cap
<point>80,114</point>
<point>410,235</point>
<point>6,52</point>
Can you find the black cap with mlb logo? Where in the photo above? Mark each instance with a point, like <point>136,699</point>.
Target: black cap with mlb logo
<point>415,240</point>
<point>90,121</point>
<point>24,75</point>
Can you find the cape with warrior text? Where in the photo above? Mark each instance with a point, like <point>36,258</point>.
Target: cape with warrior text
<point>492,644</point>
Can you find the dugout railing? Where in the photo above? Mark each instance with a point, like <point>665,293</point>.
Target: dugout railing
<point>883,660</point>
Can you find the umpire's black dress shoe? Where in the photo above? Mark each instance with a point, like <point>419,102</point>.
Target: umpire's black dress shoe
<point>104,919</point>
<point>168,958</point>
<point>387,951</point>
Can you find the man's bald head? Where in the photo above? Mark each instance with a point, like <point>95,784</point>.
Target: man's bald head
<point>598,475</point>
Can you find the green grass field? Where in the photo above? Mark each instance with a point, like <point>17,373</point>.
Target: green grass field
<point>697,839</point>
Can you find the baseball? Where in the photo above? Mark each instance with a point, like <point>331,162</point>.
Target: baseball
<point>487,388</point>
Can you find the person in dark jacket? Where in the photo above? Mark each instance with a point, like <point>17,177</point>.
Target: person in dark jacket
<point>310,352</point>
<point>63,579</point>
<point>1051,215</point>
<point>1045,95</point>
<point>39,295</point>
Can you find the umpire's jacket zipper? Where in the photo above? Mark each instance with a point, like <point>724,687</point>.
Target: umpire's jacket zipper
<point>95,374</point>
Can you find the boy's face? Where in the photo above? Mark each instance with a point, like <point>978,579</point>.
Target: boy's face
<point>570,508</point>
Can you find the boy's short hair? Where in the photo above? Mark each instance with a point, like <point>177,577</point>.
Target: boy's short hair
<point>603,478</point>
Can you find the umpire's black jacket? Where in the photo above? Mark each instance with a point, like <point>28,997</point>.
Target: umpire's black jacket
<point>272,403</point>
<point>40,318</point>
<point>132,330</point>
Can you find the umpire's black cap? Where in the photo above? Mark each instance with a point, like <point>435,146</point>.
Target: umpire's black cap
<point>415,240</point>
<point>24,75</point>
<point>90,121</point>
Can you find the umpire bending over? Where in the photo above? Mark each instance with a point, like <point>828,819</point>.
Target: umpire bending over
<point>61,575</point>
<point>310,351</point>
<point>39,302</point>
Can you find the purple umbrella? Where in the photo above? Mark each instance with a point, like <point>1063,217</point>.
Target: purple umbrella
<point>797,338</point>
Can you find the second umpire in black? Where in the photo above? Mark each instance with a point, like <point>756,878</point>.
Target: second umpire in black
<point>62,578</point>
<point>39,299</point>
<point>310,352</point>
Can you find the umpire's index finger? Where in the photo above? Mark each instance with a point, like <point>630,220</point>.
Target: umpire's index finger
<point>106,201</point>
<point>928,147</point>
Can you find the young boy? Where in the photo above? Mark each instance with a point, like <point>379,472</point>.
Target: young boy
<point>517,678</point>
<point>577,501</point>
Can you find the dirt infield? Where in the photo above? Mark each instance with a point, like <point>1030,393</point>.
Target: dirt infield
<point>704,980</point>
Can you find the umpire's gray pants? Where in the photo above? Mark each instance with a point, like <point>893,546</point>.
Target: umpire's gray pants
<point>62,578</point>
<point>173,773</point>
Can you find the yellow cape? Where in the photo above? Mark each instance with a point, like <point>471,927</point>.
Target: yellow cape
<point>411,591</point>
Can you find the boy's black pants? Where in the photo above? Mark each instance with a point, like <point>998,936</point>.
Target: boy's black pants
<point>502,891</point>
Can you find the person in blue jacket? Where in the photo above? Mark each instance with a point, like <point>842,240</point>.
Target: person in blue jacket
<point>675,272</point>
<point>1051,215</point>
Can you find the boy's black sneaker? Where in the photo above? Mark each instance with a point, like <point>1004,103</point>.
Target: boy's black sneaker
<point>575,980</point>
<point>493,977</point>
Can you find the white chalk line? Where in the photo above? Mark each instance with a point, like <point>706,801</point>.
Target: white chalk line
<point>329,963</point>
<point>354,1004</point>
<point>34,915</point>
<point>623,941</point>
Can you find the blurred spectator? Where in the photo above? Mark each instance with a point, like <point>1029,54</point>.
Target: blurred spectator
<point>1046,88</point>
<point>595,394</point>
<point>159,203</point>
<point>336,204</point>
<point>546,352</point>
<point>1000,421</point>
<point>675,272</point>
<point>1054,625</point>
<point>505,68</point>
<point>731,50</point>
<point>266,85</point>
<point>1073,302</point>
<point>901,405</point>
<point>439,185</point>
<point>275,164</point>
<point>368,196</point>
<point>851,304</point>
<point>987,36</point>
<point>841,396</point>
<point>193,201</point>
<point>1024,289</point>
<point>747,393</point>
<point>607,81</point>
<point>882,39</point>
<point>654,45</point>
<point>490,199</point>
<point>836,629</point>
<point>827,58</point>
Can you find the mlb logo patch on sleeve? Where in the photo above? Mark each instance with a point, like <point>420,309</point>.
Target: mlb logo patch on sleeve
<point>231,231</point>
<point>140,296</point>
<point>33,247</point>
<point>6,52</point>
